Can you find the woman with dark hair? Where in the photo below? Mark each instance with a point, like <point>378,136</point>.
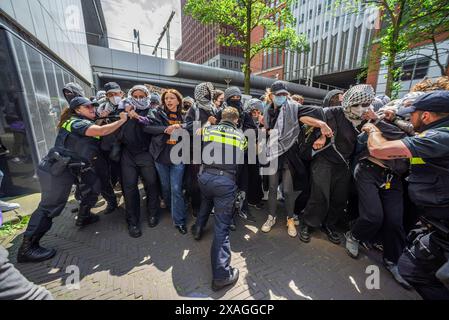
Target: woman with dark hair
<point>163,122</point>
<point>72,158</point>
<point>218,99</point>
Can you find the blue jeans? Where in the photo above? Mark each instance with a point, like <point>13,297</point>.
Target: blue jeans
<point>219,191</point>
<point>171,180</point>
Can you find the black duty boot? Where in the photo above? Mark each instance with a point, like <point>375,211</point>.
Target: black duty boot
<point>31,251</point>
<point>304,232</point>
<point>134,231</point>
<point>153,221</point>
<point>197,232</point>
<point>85,217</point>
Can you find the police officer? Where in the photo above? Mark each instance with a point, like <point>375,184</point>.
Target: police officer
<point>428,187</point>
<point>225,145</point>
<point>71,159</point>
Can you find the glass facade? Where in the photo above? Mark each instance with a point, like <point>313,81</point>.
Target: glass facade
<point>31,102</point>
<point>58,24</point>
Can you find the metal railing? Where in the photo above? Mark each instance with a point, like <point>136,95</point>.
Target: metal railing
<point>131,46</point>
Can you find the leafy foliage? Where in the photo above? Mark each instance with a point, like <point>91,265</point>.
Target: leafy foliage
<point>243,17</point>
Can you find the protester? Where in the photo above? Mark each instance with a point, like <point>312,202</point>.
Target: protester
<point>218,99</point>
<point>137,161</point>
<point>164,121</point>
<point>283,117</point>
<point>330,170</point>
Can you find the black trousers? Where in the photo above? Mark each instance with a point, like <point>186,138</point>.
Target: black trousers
<point>381,211</point>
<point>135,166</point>
<point>103,171</point>
<point>329,193</point>
<point>255,192</point>
<point>192,187</point>
<point>419,265</point>
<point>55,192</point>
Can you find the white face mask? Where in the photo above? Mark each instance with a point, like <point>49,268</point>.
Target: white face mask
<point>358,111</point>
<point>115,100</point>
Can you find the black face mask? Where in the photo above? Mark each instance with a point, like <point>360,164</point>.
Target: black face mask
<point>235,103</point>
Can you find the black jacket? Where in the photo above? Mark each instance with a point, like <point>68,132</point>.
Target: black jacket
<point>159,122</point>
<point>133,136</point>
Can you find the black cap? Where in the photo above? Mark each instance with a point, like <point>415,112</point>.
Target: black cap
<point>435,101</point>
<point>81,101</point>
<point>279,87</point>
<point>112,87</point>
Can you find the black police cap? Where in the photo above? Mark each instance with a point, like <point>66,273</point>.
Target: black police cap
<point>81,101</point>
<point>435,101</point>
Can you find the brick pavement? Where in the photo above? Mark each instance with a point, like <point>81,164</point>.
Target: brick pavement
<point>163,264</point>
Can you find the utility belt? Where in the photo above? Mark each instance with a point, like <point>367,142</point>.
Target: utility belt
<point>217,172</point>
<point>59,164</point>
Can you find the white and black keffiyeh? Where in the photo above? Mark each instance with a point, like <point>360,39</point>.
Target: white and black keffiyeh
<point>357,95</point>
<point>203,97</point>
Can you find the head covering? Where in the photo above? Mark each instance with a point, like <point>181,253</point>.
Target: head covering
<point>329,96</point>
<point>137,104</point>
<point>203,96</point>
<point>80,101</point>
<point>279,87</point>
<point>189,100</point>
<point>112,87</point>
<point>231,92</point>
<point>142,88</point>
<point>436,101</point>
<point>357,95</point>
<point>100,95</point>
<point>72,90</point>
<point>254,104</point>
<point>155,98</point>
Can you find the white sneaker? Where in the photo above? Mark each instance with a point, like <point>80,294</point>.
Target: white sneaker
<point>265,196</point>
<point>291,228</point>
<point>269,224</point>
<point>8,206</point>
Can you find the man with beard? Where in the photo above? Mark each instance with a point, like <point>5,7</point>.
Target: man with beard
<point>425,265</point>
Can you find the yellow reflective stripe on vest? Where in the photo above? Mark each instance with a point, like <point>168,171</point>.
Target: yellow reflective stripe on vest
<point>227,141</point>
<point>225,134</point>
<point>417,161</point>
<point>68,126</point>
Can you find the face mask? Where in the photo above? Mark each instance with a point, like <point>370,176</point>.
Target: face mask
<point>280,100</point>
<point>358,112</point>
<point>235,103</point>
<point>115,100</point>
<point>141,104</point>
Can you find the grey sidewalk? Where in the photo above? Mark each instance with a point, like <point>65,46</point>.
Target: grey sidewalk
<point>166,265</point>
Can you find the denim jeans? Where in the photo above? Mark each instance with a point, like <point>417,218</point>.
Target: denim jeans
<point>171,180</point>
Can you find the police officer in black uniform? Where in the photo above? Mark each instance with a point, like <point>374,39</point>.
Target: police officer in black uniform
<point>428,189</point>
<point>71,159</point>
<point>218,184</point>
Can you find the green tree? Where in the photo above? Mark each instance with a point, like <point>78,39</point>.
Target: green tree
<point>398,19</point>
<point>243,17</point>
<point>428,29</point>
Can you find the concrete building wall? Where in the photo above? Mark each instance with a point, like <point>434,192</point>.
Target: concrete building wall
<point>58,25</point>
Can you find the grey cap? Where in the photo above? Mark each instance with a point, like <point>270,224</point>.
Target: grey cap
<point>279,87</point>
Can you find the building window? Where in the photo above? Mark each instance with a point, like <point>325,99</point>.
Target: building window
<point>329,5</point>
<point>236,64</point>
<point>337,22</point>
<point>223,63</point>
<point>310,13</point>
<point>414,70</point>
<point>326,26</point>
<point>317,31</point>
<point>319,10</point>
<point>308,33</point>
